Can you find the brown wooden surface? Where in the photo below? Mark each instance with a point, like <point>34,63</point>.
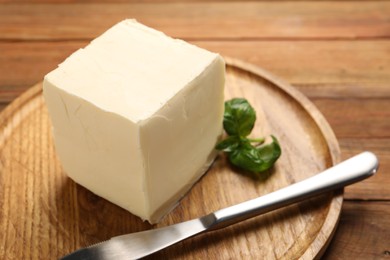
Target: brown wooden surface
<point>335,52</point>
<point>43,208</point>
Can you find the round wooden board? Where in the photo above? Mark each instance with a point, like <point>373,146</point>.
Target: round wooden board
<point>45,215</point>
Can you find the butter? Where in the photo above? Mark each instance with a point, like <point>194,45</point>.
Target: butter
<point>136,116</point>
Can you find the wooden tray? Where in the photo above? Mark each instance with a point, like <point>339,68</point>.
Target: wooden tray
<point>45,215</point>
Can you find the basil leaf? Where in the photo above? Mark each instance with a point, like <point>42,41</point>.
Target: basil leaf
<point>269,154</point>
<point>239,117</point>
<point>247,158</point>
<point>229,144</point>
<point>239,120</point>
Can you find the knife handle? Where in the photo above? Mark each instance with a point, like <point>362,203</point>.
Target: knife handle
<point>350,171</point>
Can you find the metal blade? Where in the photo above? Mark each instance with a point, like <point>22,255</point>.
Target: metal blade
<point>141,244</point>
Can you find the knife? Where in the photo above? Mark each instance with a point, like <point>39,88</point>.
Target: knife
<point>141,244</point>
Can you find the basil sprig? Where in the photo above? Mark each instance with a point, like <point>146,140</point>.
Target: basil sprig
<point>238,122</point>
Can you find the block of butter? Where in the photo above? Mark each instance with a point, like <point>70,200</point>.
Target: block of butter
<point>136,116</point>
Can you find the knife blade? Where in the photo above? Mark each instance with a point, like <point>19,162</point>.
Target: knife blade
<point>141,244</point>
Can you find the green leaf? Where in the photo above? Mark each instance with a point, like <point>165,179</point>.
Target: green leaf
<point>229,144</point>
<point>239,117</point>
<point>247,158</point>
<point>239,120</point>
<point>269,154</point>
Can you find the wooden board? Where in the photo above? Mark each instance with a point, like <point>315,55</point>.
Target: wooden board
<point>361,220</point>
<point>44,214</point>
<point>239,20</point>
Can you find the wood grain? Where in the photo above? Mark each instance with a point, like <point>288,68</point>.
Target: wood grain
<point>313,62</point>
<point>353,241</point>
<point>53,216</point>
<point>359,118</point>
<point>232,20</point>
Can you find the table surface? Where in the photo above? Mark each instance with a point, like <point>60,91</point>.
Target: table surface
<point>335,52</point>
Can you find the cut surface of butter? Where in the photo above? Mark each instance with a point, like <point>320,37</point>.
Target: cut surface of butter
<point>136,116</point>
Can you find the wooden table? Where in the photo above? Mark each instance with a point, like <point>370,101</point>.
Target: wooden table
<point>336,53</point>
